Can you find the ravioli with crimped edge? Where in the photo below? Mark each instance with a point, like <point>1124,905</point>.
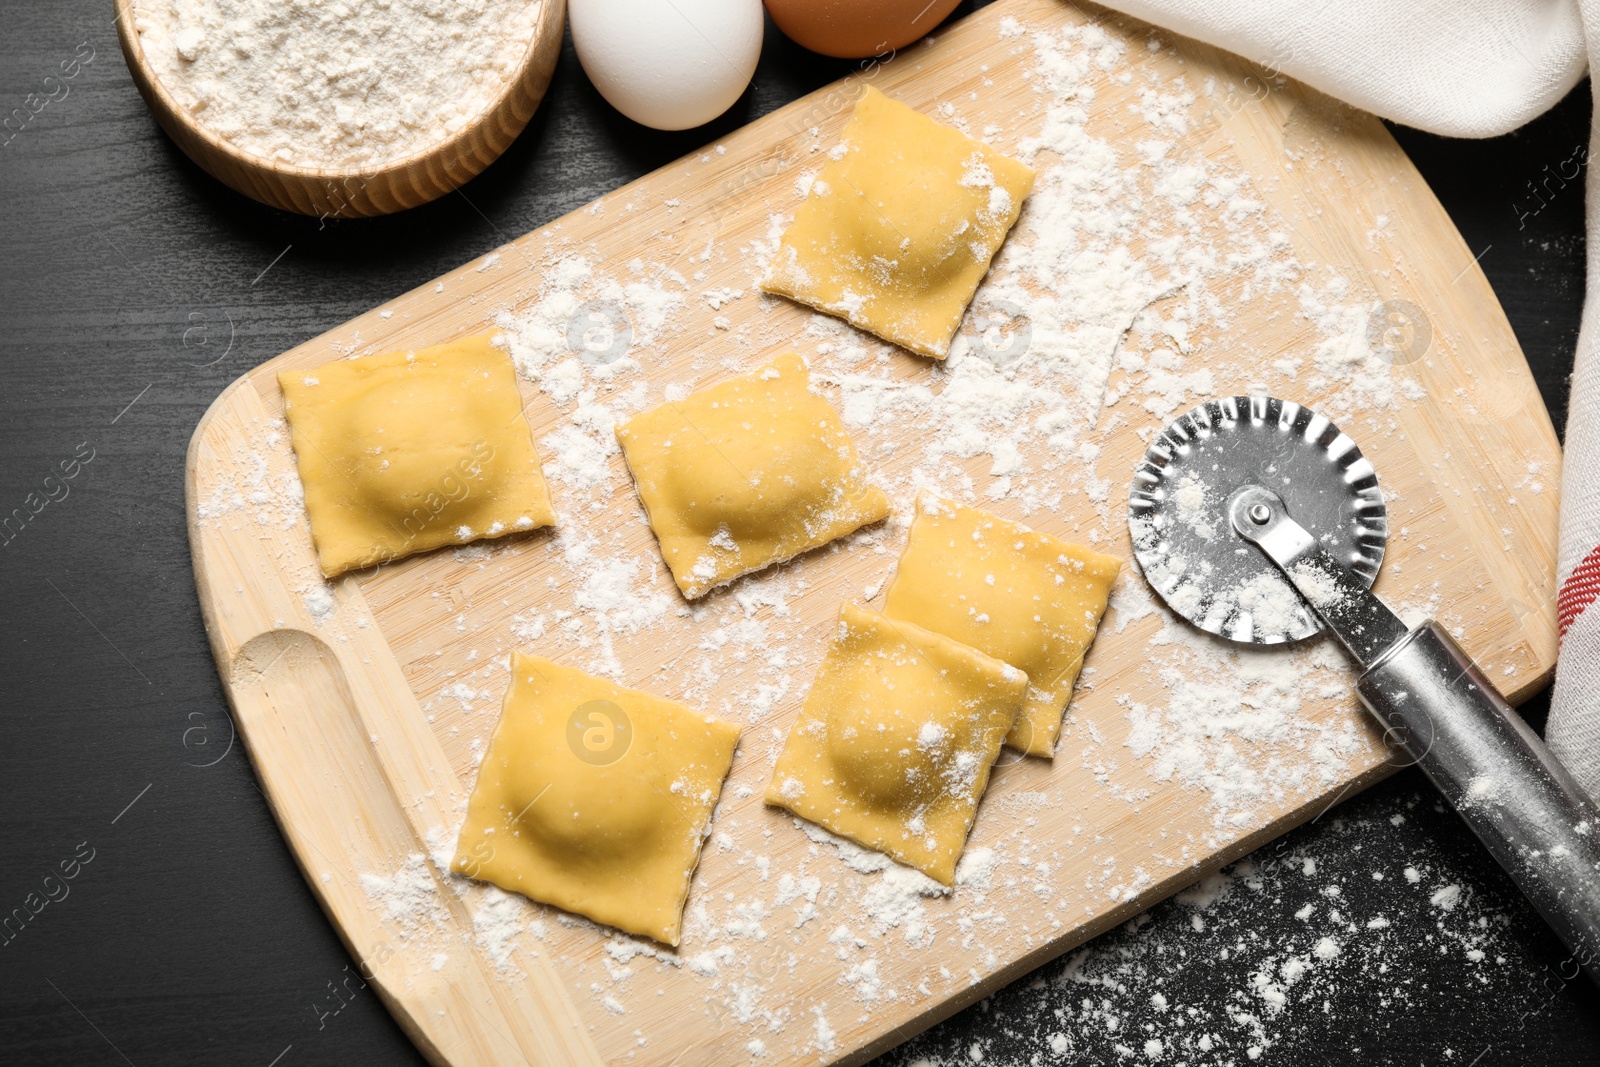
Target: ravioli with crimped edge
<point>1014,593</point>
<point>898,229</point>
<point>409,451</point>
<point>896,739</point>
<point>595,798</point>
<point>746,473</point>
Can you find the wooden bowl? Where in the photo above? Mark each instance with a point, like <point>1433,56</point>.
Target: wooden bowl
<point>332,192</point>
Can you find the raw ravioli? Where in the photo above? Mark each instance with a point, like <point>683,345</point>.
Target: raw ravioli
<point>896,738</point>
<point>899,228</point>
<point>595,798</point>
<point>407,451</point>
<point>1021,596</point>
<point>747,473</point>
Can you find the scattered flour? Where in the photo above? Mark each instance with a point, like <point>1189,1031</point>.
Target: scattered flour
<point>1234,726</point>
<point>1211,977</point>
<point>408,899</point>
<point>319,601</point>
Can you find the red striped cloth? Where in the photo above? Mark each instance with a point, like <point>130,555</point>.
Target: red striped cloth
<point>1574,727</point>
<point>1580,590</point>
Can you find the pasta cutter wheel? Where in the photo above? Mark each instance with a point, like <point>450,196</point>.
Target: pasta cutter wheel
<point>1178,513</point>
<point>1257,520</point>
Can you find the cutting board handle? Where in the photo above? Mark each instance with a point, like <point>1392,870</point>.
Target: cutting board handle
<point>359,785</point>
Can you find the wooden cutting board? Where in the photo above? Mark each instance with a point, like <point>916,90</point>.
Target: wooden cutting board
<point>365,703</point>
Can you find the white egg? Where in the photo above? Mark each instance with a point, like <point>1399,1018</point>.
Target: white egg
<point>670,64</point>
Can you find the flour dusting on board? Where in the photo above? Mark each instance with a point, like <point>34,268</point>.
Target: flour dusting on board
<point>1232,724</point>
<point>1136,282</point>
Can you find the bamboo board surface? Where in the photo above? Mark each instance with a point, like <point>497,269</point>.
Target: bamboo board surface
<point>366,702</point>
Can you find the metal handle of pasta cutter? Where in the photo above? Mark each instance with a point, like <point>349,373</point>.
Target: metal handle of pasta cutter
<point>1434,701</point>
<point>1497,773</point>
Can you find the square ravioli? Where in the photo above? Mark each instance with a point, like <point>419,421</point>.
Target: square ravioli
<point>408,451</point>
<point>1024,597</point>
<point>896,739</point>
<point>595,798</point>
<point>897,231</point>
<point>746,473</point>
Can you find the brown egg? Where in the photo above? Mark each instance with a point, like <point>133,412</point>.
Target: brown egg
<point>855,29</point>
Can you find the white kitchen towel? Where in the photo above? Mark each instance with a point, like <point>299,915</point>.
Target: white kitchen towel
<point>1465,68</point>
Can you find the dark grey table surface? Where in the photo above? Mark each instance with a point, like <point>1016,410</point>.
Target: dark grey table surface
<point>134,288</point>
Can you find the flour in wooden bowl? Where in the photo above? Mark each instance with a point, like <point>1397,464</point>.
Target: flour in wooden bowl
<point>351,83</point>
